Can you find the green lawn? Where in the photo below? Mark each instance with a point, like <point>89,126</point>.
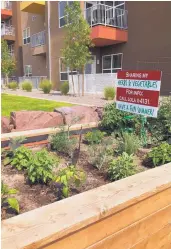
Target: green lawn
<point>17,103</point>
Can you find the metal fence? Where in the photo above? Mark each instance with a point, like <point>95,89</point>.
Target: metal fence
<point>38,39</point>
<point>35,80</point>
<point>7,30</point>
<point>105,15</point>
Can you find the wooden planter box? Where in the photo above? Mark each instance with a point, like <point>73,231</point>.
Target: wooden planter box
<point>131,213</point>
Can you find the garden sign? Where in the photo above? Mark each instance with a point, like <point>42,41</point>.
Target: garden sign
<point>138,92</point>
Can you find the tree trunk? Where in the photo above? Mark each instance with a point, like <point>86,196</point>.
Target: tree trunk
<point>6,79</point>
<point>83,82</point>
<point>73,87</point>
<point>78,85</point>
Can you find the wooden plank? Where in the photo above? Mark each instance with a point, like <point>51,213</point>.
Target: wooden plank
<point>134,233</point>
<point>52,222</point>
<point>112,224</point>
<point>45,131</point>
<point>159,240</point>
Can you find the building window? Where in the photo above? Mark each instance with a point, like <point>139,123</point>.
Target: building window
<point>111,63</point>
<point>61,10</point>
<point>64,71</point>
<point>33,18</point>
<point>28,70</point>
<point>26,36</point>
<point>11,49</point>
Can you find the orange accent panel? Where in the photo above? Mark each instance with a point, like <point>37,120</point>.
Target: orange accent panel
<point>6,14</point>
<point>104,36</point>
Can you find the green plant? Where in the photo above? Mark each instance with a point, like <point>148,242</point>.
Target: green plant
<point>40,167</point>
<point>94,137</point>
<point>27,85</point>
<point>64,88</point>
<point>13,85</point>
<point>46,86</point>
<point>101,154</point>
<point>68,176</point>
<point>109,92</point>
<point>129,143</point>
<point>6,192</point>
<point>61,142</point>
<point>122,167</point>
<point>114,120</point>
<point>160,155</point>
<point>21,158</point>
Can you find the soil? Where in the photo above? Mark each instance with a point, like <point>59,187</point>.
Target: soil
<point>37,195</point>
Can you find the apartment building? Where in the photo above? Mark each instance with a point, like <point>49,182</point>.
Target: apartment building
<point>127,35</point>
<point>11,32</point>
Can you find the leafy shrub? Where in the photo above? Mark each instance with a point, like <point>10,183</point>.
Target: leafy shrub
<point>46,86</point>
<point>40,167</point>
<point>13,85</point>
<point>100,155</point>
<point>61,142</point>
<point>160,128</point>
<point>114,119</point>
<point>27,85</point>
<point>129,143</point>
<point>122,167</point>
<point>6,192</point>
<point>94,137</point>
<point>21,158</point>
<point>109,92</point>
<point>69,176</point>
<point>64,88</point>
<point>160,155</point>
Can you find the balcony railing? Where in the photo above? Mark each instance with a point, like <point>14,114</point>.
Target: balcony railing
<point>38,39</point>
<point>7,30</point>
<point>6,5</point>
<point>101,14</point>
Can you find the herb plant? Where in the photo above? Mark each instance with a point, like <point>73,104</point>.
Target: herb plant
<point>94,137</point>
<point>21,158</point>
<point>128,143</point>
<point>40,167</point>
<point>122,167</point>
<point>160,155</point>
<point>6,198</point>
<point>68,176</point>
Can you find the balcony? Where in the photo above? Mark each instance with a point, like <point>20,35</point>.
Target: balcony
<point>109,24</point>
<point>38,43</point>
<point>36,7</point>
<point>6,10</point>
<point>8,33</point>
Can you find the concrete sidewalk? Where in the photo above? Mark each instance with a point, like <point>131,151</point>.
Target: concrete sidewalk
<point>87,100</point>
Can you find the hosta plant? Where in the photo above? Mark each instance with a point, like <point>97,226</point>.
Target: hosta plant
<point>121,167</point>
<point>6,198</point>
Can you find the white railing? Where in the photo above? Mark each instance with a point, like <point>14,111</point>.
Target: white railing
<point>101,14</point>
<point>35,80</point>
<point>6,5</point>
<point>7,30</point>
<point>38,39</point>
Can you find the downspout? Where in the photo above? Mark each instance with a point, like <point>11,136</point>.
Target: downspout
<point>49,40</point>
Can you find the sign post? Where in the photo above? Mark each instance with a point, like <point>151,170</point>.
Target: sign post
<point>138,92</point>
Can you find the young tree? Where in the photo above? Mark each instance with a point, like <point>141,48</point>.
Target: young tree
<point>8,63</point>
<point>77,42</point>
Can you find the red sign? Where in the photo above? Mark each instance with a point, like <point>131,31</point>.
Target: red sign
<point>138,92</point>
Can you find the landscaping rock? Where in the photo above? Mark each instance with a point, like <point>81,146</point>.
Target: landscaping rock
<point>78,114</point>
<point>5,128</point>
<point>30,120</point>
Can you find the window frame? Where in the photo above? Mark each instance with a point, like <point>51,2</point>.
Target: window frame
<point>111,68</point>
<point>60,17</point>
<point>27,36</point>
<point>29,74</point>
<point>66,72</point>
